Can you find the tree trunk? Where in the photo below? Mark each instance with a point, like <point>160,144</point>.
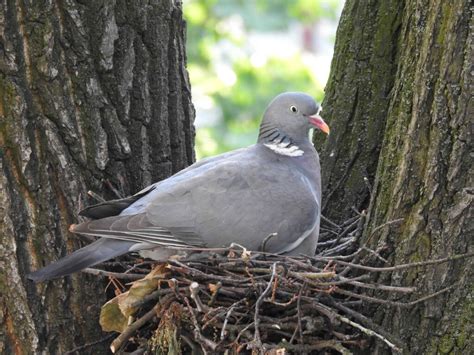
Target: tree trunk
<point>93,95</point>
<point>400,107</point>
<point>356,102</point>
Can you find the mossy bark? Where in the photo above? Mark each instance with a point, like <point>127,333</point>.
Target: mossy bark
<point>356,101</point>
<point>400,101</point>
<point>91,94</point>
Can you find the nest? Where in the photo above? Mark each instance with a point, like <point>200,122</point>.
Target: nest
<point>236,301</point>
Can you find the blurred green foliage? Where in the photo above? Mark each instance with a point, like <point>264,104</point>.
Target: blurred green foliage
<point>242,102</point>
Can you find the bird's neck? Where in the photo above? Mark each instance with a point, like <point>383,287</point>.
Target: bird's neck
<point>282,143</point>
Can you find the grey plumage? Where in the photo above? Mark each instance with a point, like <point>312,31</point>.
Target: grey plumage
<point>241,196</point>
<point>101,250</point>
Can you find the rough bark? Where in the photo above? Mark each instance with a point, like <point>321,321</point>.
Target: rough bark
<point>356,101</point>
<point>90,92</point>
<point>400,107</point>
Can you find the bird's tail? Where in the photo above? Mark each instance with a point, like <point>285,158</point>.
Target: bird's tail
<point>95,253</point>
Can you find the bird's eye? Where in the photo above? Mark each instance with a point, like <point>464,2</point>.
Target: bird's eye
<point>293,109</point>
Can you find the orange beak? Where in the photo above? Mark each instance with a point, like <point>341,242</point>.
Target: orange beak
<point>319,123</point>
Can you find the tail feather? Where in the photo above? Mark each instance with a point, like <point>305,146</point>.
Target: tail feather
<point>95,253</point>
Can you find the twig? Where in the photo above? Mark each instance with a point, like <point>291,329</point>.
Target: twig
<point>338,248</point>
<point>95,196</point>
<point>140,351</point>
<point>81,348</point>
<point>376,229</point>
<point>313,275</point>
<point>398,267</point>
<point>257,340</point>
<point>343,280</point>
<point>422,299</point>
<point>249,274</point>
<point>352,257</point>
<point>247,327</point>
<point>368,298</point>
<point>330,242</point>
<point>284,304</point>
<point>375,286</point>
<point>187,338</point>
<point>152,296</point>
<point>328,221</point>
<point>356,211</point>
<point>346,230</point>
<point>198,273</point>
<point>205,343</point>
<point>320,345</point>
<point>394,303</point>
<point>374,253</point>
<point>207,320</point>
<point>369,323</point>
<point>227,316</point>
<point>112,188</point>
<point>173,285</point>
<point>368,185</point>
<point>326,232</point>
<point>265,241</point>
<point>351,220</point>
<point>118,275</point>
<point>132,328</point>
<point>194,288</point>
<point>298,308</point>
<point>368,332</point>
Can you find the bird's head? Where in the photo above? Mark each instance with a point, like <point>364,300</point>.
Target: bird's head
<point>292,114</point>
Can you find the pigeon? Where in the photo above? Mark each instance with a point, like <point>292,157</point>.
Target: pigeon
<point>266,196</point>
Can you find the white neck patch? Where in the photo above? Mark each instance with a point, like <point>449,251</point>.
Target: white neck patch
<point>284,149</point>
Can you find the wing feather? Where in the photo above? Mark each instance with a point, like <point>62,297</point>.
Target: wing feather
<point>135,228</point>
<point>113,207</point>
